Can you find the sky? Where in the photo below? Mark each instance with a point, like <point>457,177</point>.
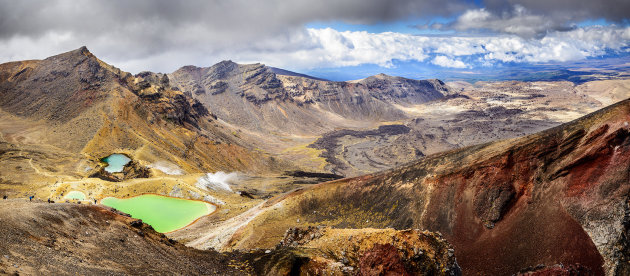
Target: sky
<point>335,39</point>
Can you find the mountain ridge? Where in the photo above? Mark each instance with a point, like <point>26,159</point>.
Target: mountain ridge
<point>297,103</point>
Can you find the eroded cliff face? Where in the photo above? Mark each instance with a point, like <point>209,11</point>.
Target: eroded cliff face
<point>560,196</point>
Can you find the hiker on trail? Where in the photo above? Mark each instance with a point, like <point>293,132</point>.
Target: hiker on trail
<point>95,201</point>
<point>49,200</point>
<point>31,198</point>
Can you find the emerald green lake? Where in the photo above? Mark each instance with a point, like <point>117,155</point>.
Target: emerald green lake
<point>76,195</point>
<point>116,162</point>
<point>165,214</point>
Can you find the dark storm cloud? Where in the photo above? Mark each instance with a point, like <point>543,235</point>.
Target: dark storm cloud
<point>245,17</point>
<point>250,16</point>
<point>536,18</point>
<point>119,30</point>
<point>162,35</point>
<point>518,21</point>
<point>575,10</point>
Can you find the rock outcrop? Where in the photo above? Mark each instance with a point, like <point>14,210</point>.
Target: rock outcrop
<point>174,105</point>
<point>405,91</point>
<point>372,251</point>
<point>556,270</point>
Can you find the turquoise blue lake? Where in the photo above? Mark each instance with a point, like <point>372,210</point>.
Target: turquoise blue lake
<point>116,162</point>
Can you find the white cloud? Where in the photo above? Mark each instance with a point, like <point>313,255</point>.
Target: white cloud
<point>321,48</point>
<point>354,48</point>
<point>448,62</point>
<point>331,48</point>
<point>305,49</point>
<point>606,37</point>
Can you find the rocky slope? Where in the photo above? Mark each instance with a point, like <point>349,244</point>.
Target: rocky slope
<point>77,109</point>
<point>472,114</point>
<point>62,87</point>
<point>556,197</point>
<point>262,98</point>
<point>67,239</point>
<point>70,239</point>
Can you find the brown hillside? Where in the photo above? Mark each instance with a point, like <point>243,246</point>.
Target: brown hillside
<point>80,106</point>
<point>556,197</point>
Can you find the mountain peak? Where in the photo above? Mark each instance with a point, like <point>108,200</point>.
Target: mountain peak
<point>222,69</point>
<point>189,68</point>
<point>226,63</point>
<point>84,51</point>
<point>81,51</point>
<point>383,76</point>
<point>76,53</point>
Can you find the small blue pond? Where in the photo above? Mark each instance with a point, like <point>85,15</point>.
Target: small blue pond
<point>116,162</point>
<point>75,195</point>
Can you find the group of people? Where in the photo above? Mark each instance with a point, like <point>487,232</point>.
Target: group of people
<point>30,198</point>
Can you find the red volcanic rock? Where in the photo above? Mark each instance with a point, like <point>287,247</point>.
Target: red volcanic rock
<point>328,251</point>
<point>558,270</point>
<point>559,196</point>
<point>382,259</point>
